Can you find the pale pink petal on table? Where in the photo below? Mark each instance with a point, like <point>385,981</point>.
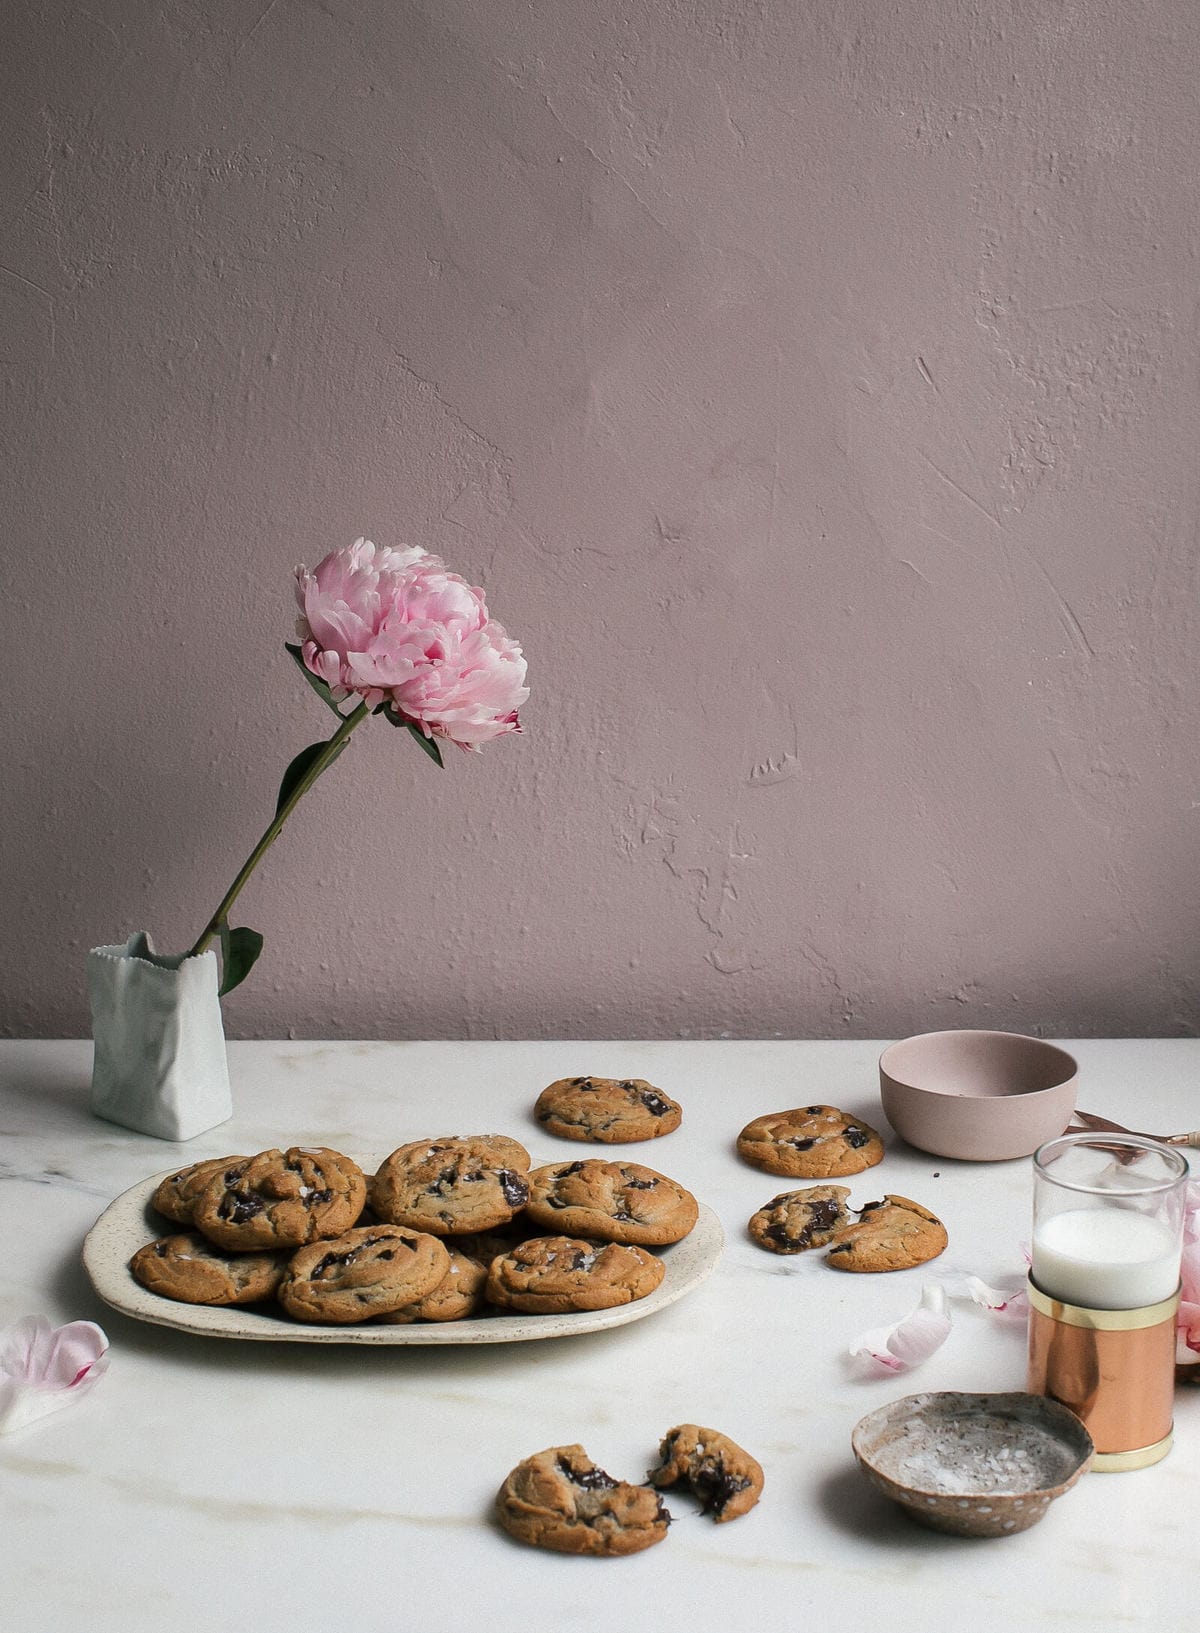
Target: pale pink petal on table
<point>44,1368</point>
<point>908,1342</point>
<point>1010,1302</point>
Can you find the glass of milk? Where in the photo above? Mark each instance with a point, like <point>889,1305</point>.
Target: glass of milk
<point>1108,1220</point>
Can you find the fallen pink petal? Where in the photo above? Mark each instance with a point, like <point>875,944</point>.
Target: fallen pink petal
<point>44,1368</point>
<point>1188,1319</point>
<point>1188,1326</point>
<point>1191,1211</point>
<point>1189,1273</point>
<point>910,1341</point>
<point>1012,1302</point>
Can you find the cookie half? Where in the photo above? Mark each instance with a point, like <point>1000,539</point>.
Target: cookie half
<point>189,1269</point>
<point>894,1234</point>
<point>810,1142</point>
<point>726,1479</point>
<point>611,1201</point>
<point>795,1221</point>
<point>552,1275</point>
<point>608,1110</point>
<point>559,1499</point>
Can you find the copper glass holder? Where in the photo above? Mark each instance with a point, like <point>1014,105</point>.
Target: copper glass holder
<point>1115,1369</point>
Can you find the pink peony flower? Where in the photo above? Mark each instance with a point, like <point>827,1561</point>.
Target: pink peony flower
<point>409,641</point>
<point>397,628</point>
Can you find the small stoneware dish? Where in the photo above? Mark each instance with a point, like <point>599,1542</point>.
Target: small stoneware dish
<point>975,1465</point>
<point>978,1096</point>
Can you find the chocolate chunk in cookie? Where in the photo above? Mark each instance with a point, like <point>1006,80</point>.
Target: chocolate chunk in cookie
<point>452,1186</point>
<point>559,1499</point>
<point>726,1479</point>
<point>281,1199</point>
<point>894,1234</point>
<point>362,1273</point>
<point>811,1142</point>
<point>609,1110</point>
<point>611,1201</point>
<point>188,1268</point>
<point>177,1194</point>
<point>795,1221</point>
<point>551,1275</point>
<point>458,1295</point>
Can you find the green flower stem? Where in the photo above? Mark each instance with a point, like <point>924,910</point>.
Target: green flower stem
<point>332,749</point>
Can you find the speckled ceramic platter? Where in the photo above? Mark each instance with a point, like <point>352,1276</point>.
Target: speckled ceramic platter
<point>129,1222</point>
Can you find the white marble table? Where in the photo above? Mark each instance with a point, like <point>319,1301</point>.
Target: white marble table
<point>273,1486</point>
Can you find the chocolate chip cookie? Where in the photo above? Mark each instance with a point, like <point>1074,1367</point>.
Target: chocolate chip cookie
<point>551,1275</point>
<point>188,1268</point>
<point>362,1273</point>
<point>451,1185</point>
<point>559,1499</point>
<point>795,1221</point>
<point>894,1234</point>
<point>726,1479</point>
<point>177,1195</point>
<point>459,1293</point>
<point>611,1201</point>
<point>811,1142</point>
<point>610,1110</point>
<point>281,1199</point>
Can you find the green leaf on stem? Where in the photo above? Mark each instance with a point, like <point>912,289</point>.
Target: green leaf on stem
<point>429,744</point>
<point>239,951</point>
<point>299,769</point>
<point>315,681</point>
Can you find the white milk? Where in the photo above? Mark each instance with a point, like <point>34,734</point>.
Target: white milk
<point>1105,1258</point>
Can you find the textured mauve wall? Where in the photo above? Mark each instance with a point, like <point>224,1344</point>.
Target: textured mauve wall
<point>814,389</point>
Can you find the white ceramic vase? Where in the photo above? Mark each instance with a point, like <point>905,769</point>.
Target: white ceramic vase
<point>160,1064</point>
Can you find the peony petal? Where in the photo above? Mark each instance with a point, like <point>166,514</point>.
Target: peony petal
<point>27,1406</point>
<point>1012,1303</point>
<point>1191,1211</point>
<point>44,1368</point>
<point>22,1347</point>
<point>76,1351</point>
<point>1189,1272</point>
<point>1188,1325</point>
<point>909,1342</point>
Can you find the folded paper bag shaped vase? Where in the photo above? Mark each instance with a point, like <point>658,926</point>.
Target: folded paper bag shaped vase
<point>160,1064</point>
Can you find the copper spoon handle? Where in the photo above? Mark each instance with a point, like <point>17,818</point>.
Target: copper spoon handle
<point>1090,1121</point>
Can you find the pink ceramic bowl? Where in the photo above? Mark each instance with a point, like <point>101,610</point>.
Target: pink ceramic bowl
<point>978,1096</point>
